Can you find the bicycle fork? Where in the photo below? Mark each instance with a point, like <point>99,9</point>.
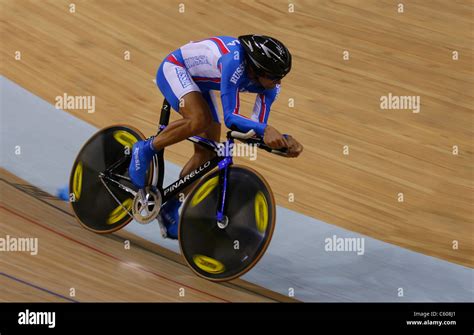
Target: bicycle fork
<point>222,219</point>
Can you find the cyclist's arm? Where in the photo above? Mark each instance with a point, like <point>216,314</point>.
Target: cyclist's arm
<point>263,102</point>
<point>232,117</point>
<point>231,101</point>
<point>261,111</point>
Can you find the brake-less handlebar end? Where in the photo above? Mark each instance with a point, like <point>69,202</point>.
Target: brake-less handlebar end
<point>243,136</point>
<point>250,138</point>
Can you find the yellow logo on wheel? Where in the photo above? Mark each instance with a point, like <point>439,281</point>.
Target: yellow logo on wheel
<point>204,190</point>
<point>125,138</point>
<point>208,264</point>
<point>77,181</point>
<point>119,213</point>
<point>261,212</point>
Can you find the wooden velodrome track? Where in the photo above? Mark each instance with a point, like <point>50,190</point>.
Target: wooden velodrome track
<point>336,103</point>
<point>97,267</point>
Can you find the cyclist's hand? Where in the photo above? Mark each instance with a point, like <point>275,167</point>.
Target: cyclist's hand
<point>294,147</point>
<point>274,139</point>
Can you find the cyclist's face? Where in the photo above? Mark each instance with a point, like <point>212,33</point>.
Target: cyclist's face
<point>266,81</point>
<point>269,82</point>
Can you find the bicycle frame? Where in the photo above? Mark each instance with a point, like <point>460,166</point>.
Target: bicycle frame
<point>221,161</point>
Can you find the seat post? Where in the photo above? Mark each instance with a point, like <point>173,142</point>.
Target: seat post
<point>165,114</point>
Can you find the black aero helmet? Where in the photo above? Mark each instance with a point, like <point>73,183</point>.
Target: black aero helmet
<point>266,55</point>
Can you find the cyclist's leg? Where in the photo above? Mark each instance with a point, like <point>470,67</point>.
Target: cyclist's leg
<point>177,85</point>
<point>201,154</point>
<point>169,215</point>
<point>196,119</point>
<point>186,98</point>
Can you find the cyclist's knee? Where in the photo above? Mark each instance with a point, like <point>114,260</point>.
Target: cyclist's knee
<point>200,122</point>
<point>197,111</point>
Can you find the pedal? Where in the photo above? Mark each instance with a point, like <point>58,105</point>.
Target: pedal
<point>146,205</point>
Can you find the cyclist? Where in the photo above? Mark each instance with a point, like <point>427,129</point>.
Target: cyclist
<point>187,78</point>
